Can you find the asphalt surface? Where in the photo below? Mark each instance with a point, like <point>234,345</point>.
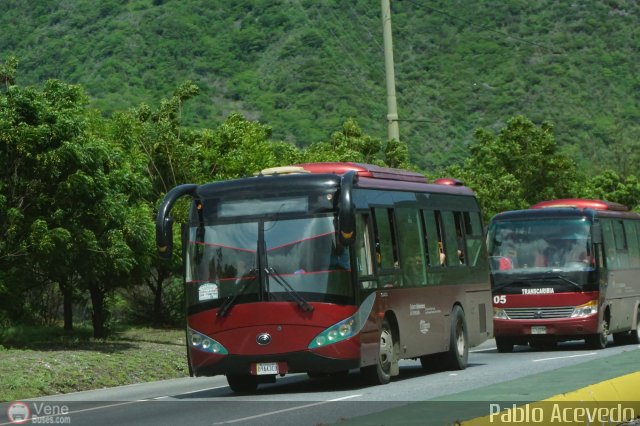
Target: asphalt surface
<point>415,396</point>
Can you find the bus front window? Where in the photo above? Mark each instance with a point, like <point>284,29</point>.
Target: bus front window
<point>530,245</point>
<point>221,260</point>
<point>305,253</point>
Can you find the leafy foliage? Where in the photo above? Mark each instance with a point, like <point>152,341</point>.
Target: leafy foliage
<point>612,187</point>
<point>516,168</point>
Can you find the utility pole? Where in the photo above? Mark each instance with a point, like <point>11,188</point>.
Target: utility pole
<point>392,107</point>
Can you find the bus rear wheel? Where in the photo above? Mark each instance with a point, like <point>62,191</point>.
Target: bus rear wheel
<point>631,337</point>
<point>380,373</point>
<point>242,383</point>
<point>458,354</point>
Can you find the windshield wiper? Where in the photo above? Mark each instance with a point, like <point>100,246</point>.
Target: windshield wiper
<point>303,304</point>
<point>231,300</point>
<point>565,279</point>
<point>522,280</point>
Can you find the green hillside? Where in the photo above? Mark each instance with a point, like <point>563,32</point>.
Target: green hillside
<point>303,66</point>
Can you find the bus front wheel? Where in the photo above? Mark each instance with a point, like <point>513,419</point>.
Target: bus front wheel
<point>599,340</point>
<point>458,354</point>
<point>242,383</point>
<point>380,373</point>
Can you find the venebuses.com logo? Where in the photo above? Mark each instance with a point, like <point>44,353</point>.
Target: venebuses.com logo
<point>18,412</point>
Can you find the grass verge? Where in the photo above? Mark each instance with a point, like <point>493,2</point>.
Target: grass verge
<point>37,361</point>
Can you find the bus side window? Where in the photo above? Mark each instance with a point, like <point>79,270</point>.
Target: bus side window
<point>363,246</point>
<point>631,229</point>
<point>622,249</point>
<point>450,239</point>
<point>386,248</point>
<point>385,239</point>
<point>473,234</point>
<point>460,238</point>
<point>411,245</point>
<point>609,245</point>
<point>432,235</point>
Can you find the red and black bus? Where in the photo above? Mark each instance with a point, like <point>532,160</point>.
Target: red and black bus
<point>327,267</point>
<point>565,269</point>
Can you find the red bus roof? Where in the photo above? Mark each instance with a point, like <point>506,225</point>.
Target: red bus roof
<point>364,170</point>
<point>581,203</point>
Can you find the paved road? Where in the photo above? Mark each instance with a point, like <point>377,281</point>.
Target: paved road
<point>298,400</point>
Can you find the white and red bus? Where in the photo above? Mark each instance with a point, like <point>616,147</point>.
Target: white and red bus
<point>565,269</point>
<point>327,267</point>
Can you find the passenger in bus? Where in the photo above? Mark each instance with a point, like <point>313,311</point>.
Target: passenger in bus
<point>460,241</point>
<point>577,252</point>
<point>504,263</point>
<point>443,257</point>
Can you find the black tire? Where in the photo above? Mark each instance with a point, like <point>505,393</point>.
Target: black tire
<point>504,344</point>
<point>242,383</point>
<point>631,337</point>
<point>599,340</point>
<point>380,373</point>
<point>458,355</point>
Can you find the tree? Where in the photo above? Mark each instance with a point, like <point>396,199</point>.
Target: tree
<point>612,187</point>
<point>170,155</point>
<point>36,127</point>
<point>351,144</point>
<point>519,166</point>
<point>71,201</point>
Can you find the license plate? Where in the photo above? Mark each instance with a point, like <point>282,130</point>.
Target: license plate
<point>539,329</point>
<point>267,368</point>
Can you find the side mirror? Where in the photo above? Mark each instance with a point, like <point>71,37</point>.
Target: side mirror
<point>346,209</point>
<point>164,222</point>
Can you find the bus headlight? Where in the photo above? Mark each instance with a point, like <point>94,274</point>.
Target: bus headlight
<point>336,333</point>
<point>589,308</point>
<point>346,328</point>
<point>204,343</point>
<point>499,313</point>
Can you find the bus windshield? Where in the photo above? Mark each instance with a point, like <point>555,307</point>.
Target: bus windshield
<point>541,252</point>
<point>299,258</point>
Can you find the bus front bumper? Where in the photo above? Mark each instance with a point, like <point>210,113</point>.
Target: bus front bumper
<point>560,329</point>
<point>295,362</point>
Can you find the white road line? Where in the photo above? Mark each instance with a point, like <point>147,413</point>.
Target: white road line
<point>300,407</point>
<point>202,390</point>
<point>562,357</point>
<point>484,350</point>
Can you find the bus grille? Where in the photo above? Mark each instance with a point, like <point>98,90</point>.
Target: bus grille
<point>539,313</point>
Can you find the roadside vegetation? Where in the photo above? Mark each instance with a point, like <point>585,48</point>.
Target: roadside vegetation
<point>39,361</point>
<point>78,198</point>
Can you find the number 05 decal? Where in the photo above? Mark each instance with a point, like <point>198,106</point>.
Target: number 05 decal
<point>498,299</point>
